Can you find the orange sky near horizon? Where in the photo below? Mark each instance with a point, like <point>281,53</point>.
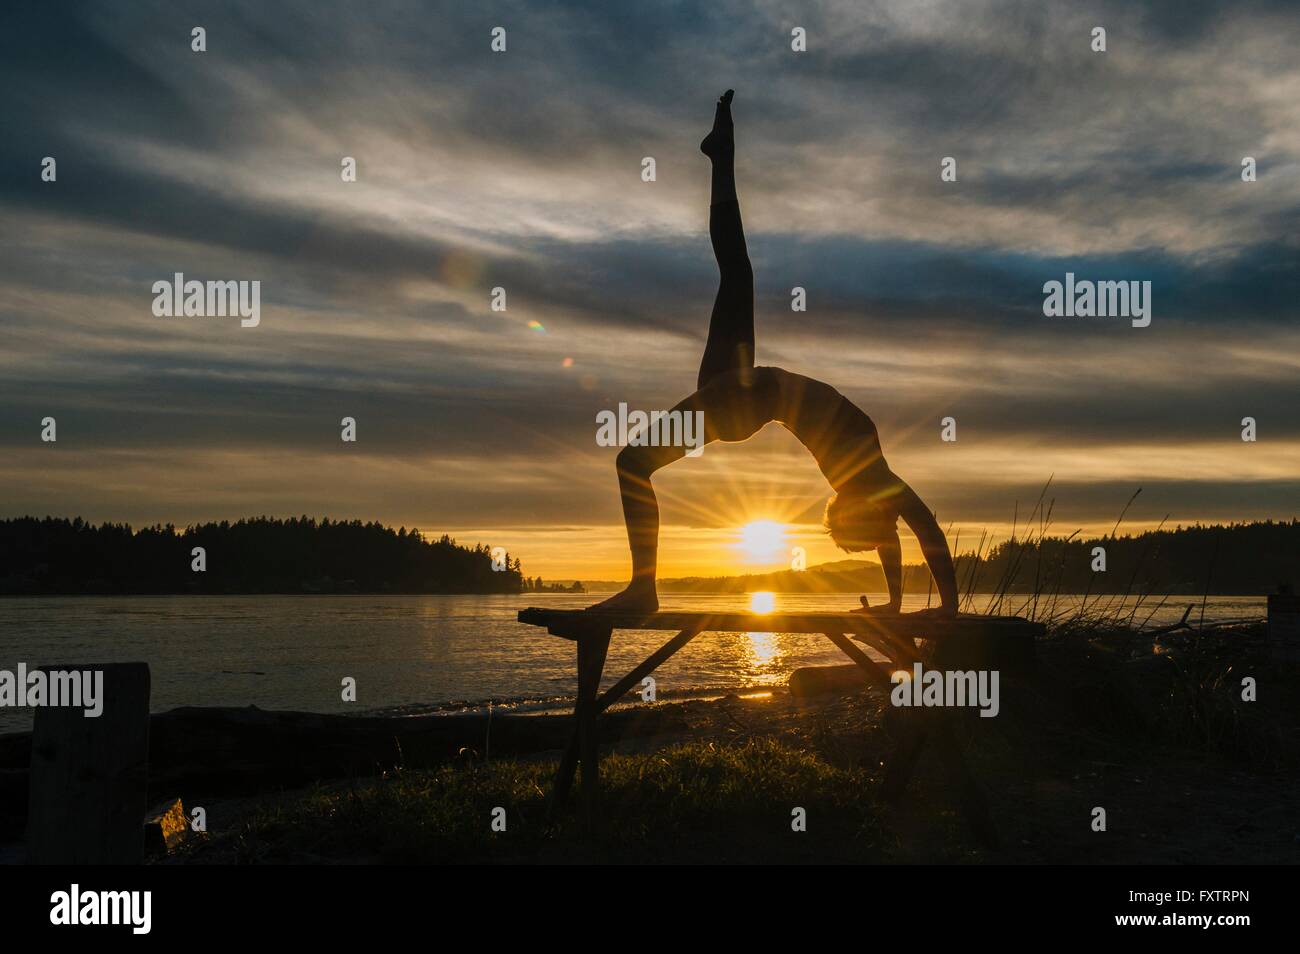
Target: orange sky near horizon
<point>479,173</point>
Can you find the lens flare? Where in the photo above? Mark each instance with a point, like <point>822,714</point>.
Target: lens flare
<point>762,539</point>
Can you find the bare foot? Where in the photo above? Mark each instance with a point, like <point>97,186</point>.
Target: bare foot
<point>719,143</point>
<point>882,610</point>
<point>631,600</point>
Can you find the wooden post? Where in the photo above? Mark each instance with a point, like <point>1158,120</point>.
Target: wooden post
<point>569,760</point>
<point>894,636</point>
<point>564,774</point>
<point>1284,627</point>
<point>974,807</point>
<point>902,761</point>
<point>89,776</point>
<point>592,649</point>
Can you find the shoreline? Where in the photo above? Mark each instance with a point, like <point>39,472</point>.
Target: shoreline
<point>1147,725</point>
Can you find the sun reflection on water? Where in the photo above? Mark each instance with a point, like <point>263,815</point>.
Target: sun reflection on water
<point>762,648</point>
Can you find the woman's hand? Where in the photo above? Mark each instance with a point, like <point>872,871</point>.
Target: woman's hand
<point>936,612</point>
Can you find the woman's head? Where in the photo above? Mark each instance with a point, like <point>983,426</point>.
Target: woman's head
<point>856,521</point>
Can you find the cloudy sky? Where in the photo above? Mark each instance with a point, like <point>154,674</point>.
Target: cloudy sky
<point>522,170</point>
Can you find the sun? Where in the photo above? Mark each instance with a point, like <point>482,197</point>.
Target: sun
<point>762,540</point>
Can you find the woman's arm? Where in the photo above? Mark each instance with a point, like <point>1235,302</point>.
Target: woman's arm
<point>891,561</point>
<point>934,546</point>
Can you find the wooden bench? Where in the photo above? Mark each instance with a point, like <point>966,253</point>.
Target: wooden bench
<point>991,638</point>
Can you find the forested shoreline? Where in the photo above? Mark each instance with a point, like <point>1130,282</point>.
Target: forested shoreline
<point>61,556</point>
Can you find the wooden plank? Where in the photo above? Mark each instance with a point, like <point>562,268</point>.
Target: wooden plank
<point>572,623</point>
<point>88,786</point>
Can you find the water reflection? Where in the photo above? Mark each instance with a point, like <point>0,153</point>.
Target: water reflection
<point>762,649</point>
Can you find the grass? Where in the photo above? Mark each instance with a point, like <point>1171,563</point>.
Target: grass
<point>1108,702</point>
<point>693,802</point>
<point>1186,767</point>
<point>1131,609</point>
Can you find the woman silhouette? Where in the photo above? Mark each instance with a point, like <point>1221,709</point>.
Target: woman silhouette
<point>739,399</point>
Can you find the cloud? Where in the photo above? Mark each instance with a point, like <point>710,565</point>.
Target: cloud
<point>521,170</point>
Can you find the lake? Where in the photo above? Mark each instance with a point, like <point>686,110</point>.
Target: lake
<point>407,653</point>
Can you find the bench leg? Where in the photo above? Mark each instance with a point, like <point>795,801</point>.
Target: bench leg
<point>569,761</point>
<point>592,649</point>
<point>917,730</point>
<point>902,761</point>
<point>899,767</point>
<point>564,775</point>
<point>970,796</point>
<point>937,726</point>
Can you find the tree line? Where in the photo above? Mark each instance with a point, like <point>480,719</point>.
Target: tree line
<point>1245,559</point>
<point>53,555</point>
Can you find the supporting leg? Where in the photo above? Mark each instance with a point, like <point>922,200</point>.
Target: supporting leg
<point>919,728</point>
<point>902,761</point>
<point>564,775</point>
<point>970,797</point>
<point>592,649</point>
<point>569,761</point>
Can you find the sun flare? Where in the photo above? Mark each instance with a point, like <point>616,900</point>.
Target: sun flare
<point>762,540</point>
<point>762,602</point>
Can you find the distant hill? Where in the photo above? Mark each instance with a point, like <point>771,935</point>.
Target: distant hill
<point>1238,559</point>
<point>257,555</point>
<point>842,576</point>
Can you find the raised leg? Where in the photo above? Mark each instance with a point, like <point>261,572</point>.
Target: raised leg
<point>731,326</point>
